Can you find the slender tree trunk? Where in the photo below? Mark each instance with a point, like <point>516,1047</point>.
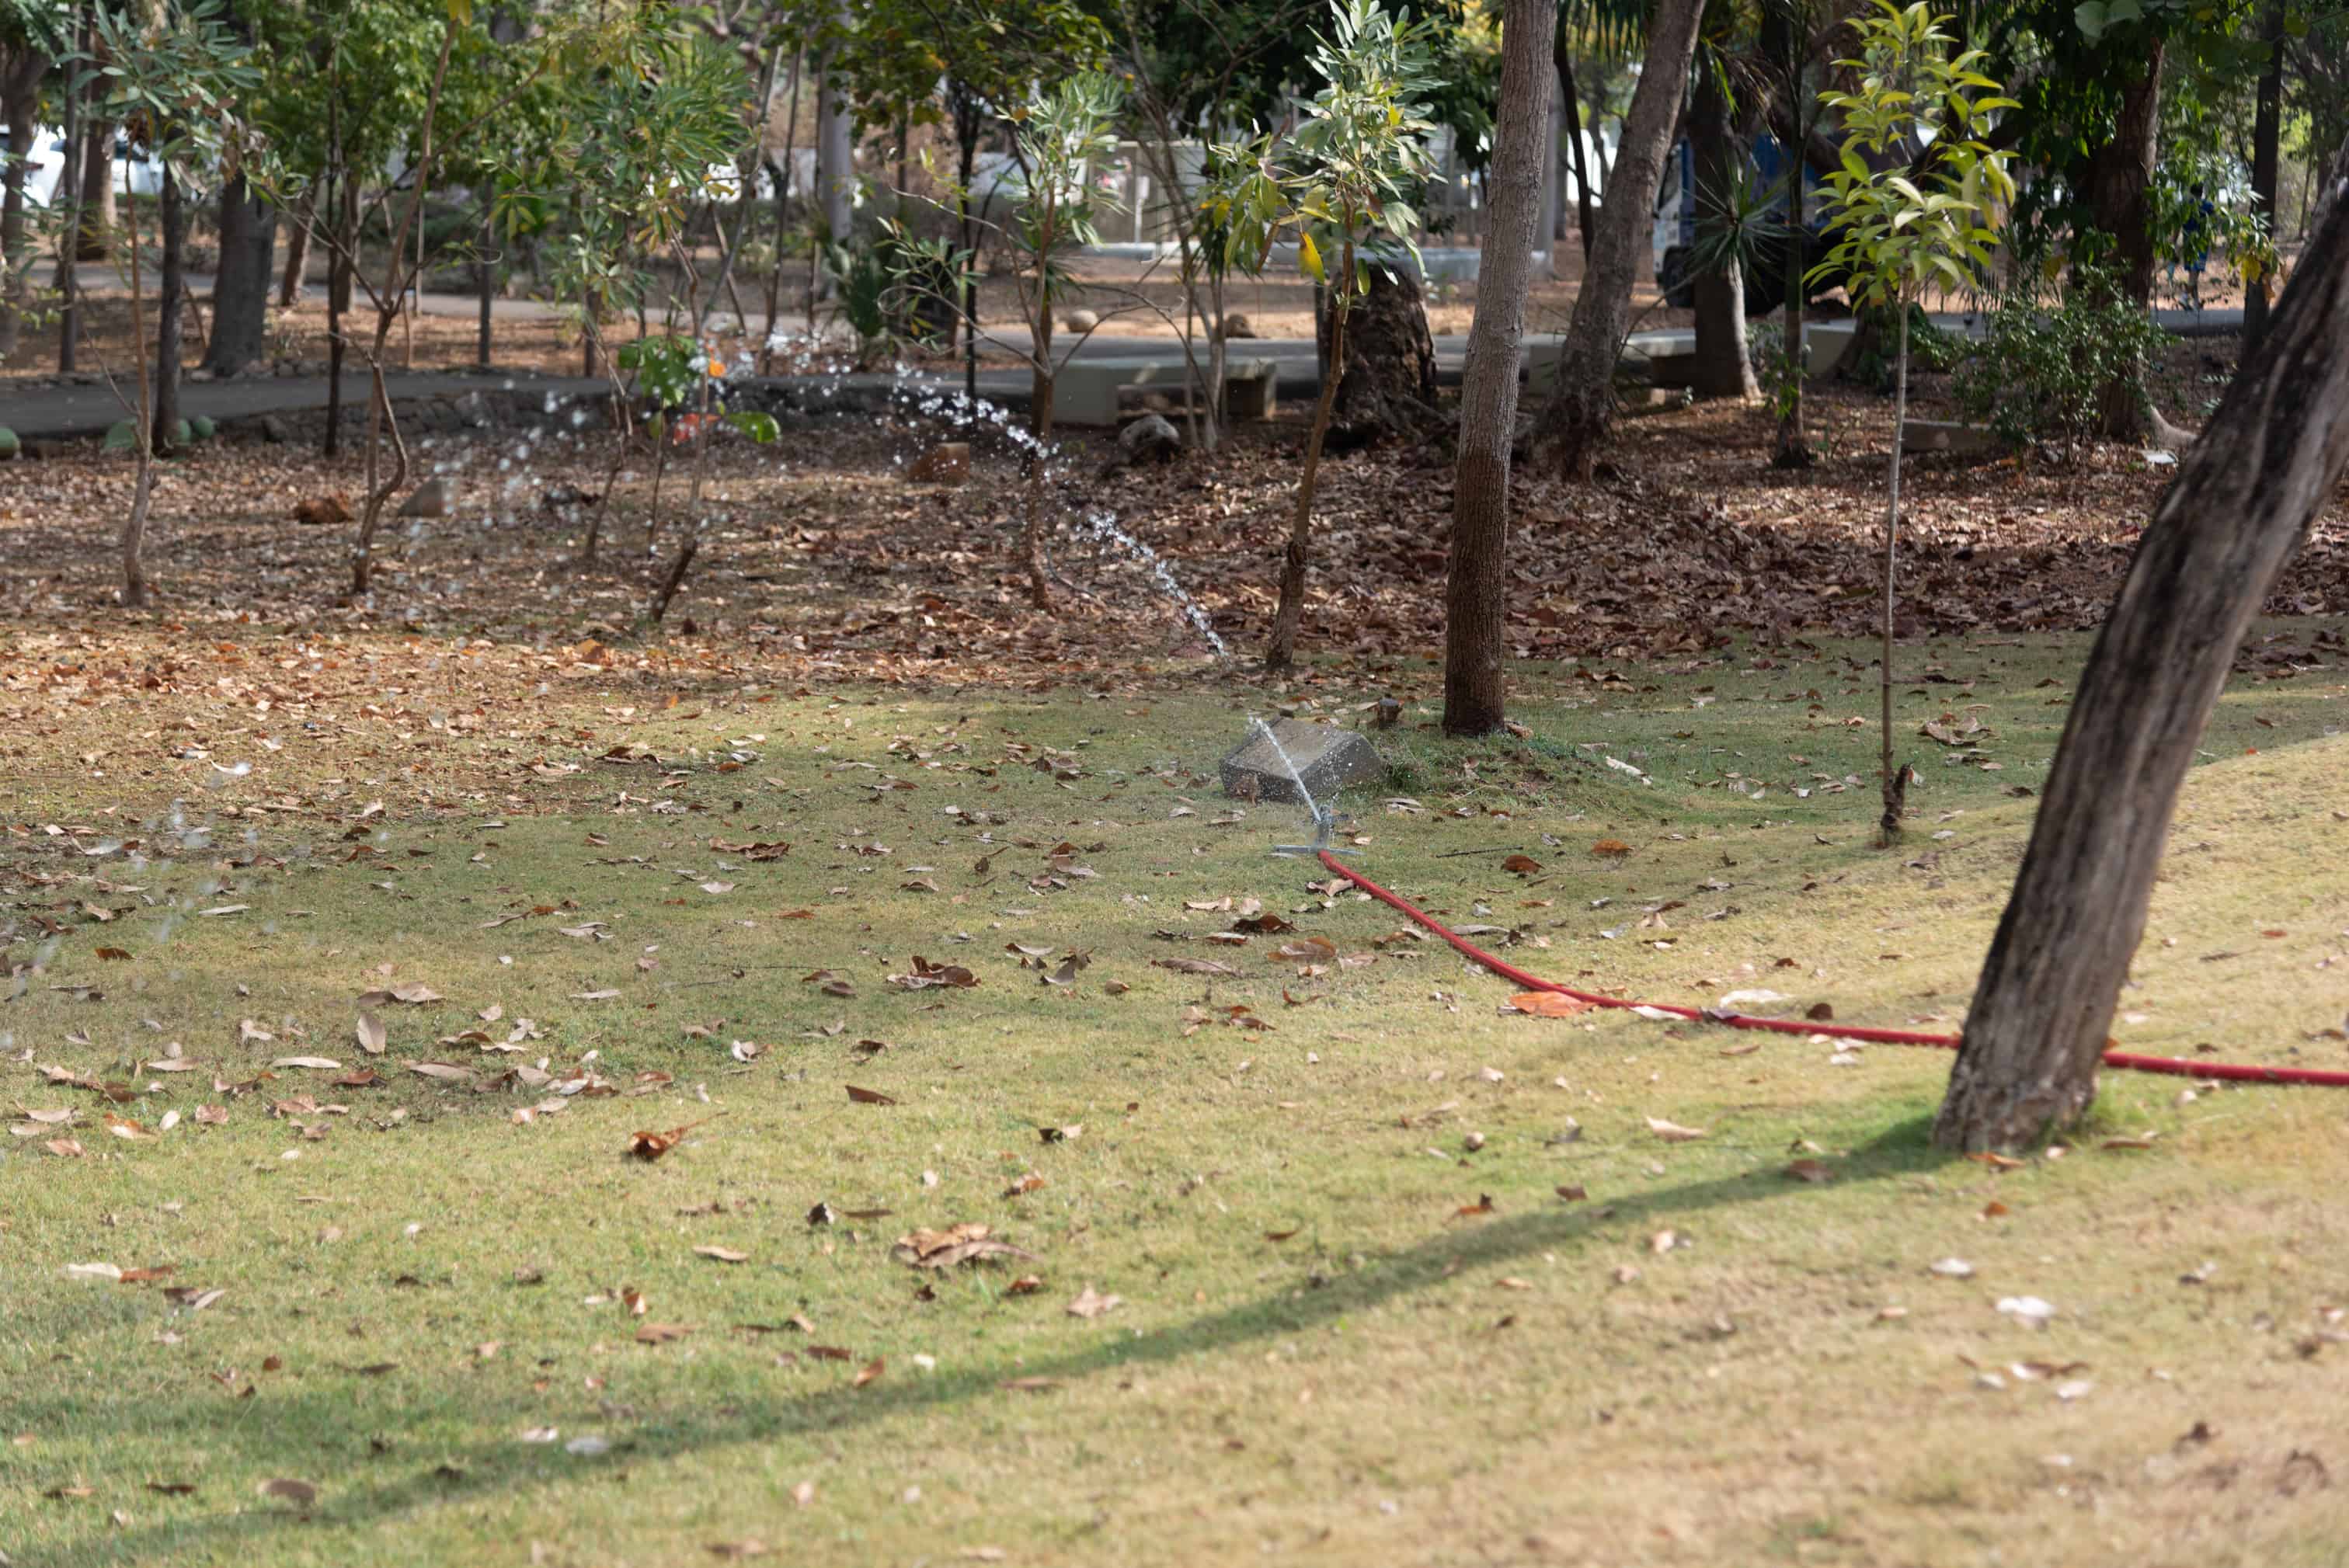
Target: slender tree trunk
<point>1725,363</point>
<point>297,251</point>
<point>1794,448</point>
<point>1582,404</point>
<point>99,215</point>
<point>485,286</point>
<point>172,214</point>
<point>68,232</point>
<point>248,243</point>
<point>2122,204</point>
<point>1289,614</point>
<point>1039,426</point>
<point>1562,56</point>
<point>1895,784</point>
<point>2268,461</point>
<point>133,542</point>
<point>20,99</point>
<point>2267,130</point>
<point>1475,590</point>
<point>343,215</point>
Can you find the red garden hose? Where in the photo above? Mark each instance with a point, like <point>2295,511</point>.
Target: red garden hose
<point>2126,1060</point>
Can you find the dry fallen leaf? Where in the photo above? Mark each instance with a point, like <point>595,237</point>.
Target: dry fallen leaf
<point>1672,1131</point>
<point>722,1254</point>
<point>1090,1304</point>
<point>371,1036</point>
<point>300,1493</point>
<point>1548,1004</point>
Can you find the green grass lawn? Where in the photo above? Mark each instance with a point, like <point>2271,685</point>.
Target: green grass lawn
<point>1400,1276</point>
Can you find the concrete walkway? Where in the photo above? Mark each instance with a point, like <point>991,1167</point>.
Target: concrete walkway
<point>60,413</point>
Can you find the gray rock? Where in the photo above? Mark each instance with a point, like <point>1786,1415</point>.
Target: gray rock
<point>1326,758</point>
<point>1080,321</point>
<point>473,410</point>
<point>276,430</point>
<point>430,499</point>
<point>1150,437</point>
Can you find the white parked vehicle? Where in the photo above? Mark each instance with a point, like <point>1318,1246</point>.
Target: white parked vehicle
<point>141,176</point>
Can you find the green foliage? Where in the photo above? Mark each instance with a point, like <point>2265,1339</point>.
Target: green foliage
<point>171,81</point>
<point>1344,176</point>
<point>673,370</point>
<point>2040,372</point>
<point>1896,235</point>
<point>902,57</point>
<point>1060,137</point>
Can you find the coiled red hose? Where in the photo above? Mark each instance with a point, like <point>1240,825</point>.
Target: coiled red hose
<point>2127,1061</point>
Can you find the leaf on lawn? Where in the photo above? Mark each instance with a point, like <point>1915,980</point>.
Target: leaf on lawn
<point>1194,965</point>
<point>300,1493</point>
<point>1812,1171</point>
<point>869,1371</point>
<point>870,1096</point>
<point>323,1064</point>
<point>1548,1004</point>
<point>1090,1303</point>
<point>1524,865</point>
<point>966,1243</point>
<point>371,1036</point>
<point>722,1254</point>
<point>1672,1131</point>
<point>661,1333</point>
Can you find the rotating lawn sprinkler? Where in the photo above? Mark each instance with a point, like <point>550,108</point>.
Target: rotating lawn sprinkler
<point>1289,761</point>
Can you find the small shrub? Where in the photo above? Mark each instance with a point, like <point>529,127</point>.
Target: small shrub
<point>2038,374</point>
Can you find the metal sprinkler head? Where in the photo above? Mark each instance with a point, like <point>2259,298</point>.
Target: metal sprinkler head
<point>1325,822</point>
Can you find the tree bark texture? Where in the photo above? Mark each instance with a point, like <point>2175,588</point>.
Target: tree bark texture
<point>97,207</point>
<point>2231,522</point>
<point>1388,388</point>
<point>20,80</point>
<point>297,253</point>
<point>1570,99</point>
<point>1475,590</point>
<point>2267,134</point>
<point>248,246</point>
<point>170,291</point>
<point>1582,404</point>
<point>2120,194</point>
<point>1724,366</point>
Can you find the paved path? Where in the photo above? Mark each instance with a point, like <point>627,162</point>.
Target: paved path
<point>60,412</point>
<point>56,413</point>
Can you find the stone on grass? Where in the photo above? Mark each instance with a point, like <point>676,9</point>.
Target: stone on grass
<point>947,463</point>
<point>1327,758</point>
<point>1148,438</point>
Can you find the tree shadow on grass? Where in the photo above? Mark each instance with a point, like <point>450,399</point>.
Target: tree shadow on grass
<point>1903,1150</point>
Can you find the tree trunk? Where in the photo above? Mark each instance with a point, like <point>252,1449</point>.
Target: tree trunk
<point>248,246</point>
<point>834,153</point>
<point>297,253</point>
<point>132,545</point>
<point>2231,522</point>
<point>1289,614</point>
<point>1389,385</point>
<point>1794,448</point>
<point>1040,427</point>
<point>172,284</point>
<point>1562,57</point>
<point>98,209</point>
<point>2121,204</point>
<point>20,81</point>
<point>1582,404</point>
<point>1475,590</point>
<point>1724,365</point>
<point>1895,778</point>
<point>2267,127</point>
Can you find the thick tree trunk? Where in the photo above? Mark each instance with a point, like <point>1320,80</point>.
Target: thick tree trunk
<point>2231,522</point>
<point>248,246</point>
<point>132,544</point>
<point>20,81</point>
<point>170,289</point>
<point>1794,448</point>
<point>297,253</point>
<point>835,175</point>
<point>1570,99</point>
<point>1724,366</point>
<point>1389,385</point>
<point>2267,129</point>
<point>97,208</point>
<point>2121,204</point>
<point>1475,590</point>
<point>1582,404</point>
